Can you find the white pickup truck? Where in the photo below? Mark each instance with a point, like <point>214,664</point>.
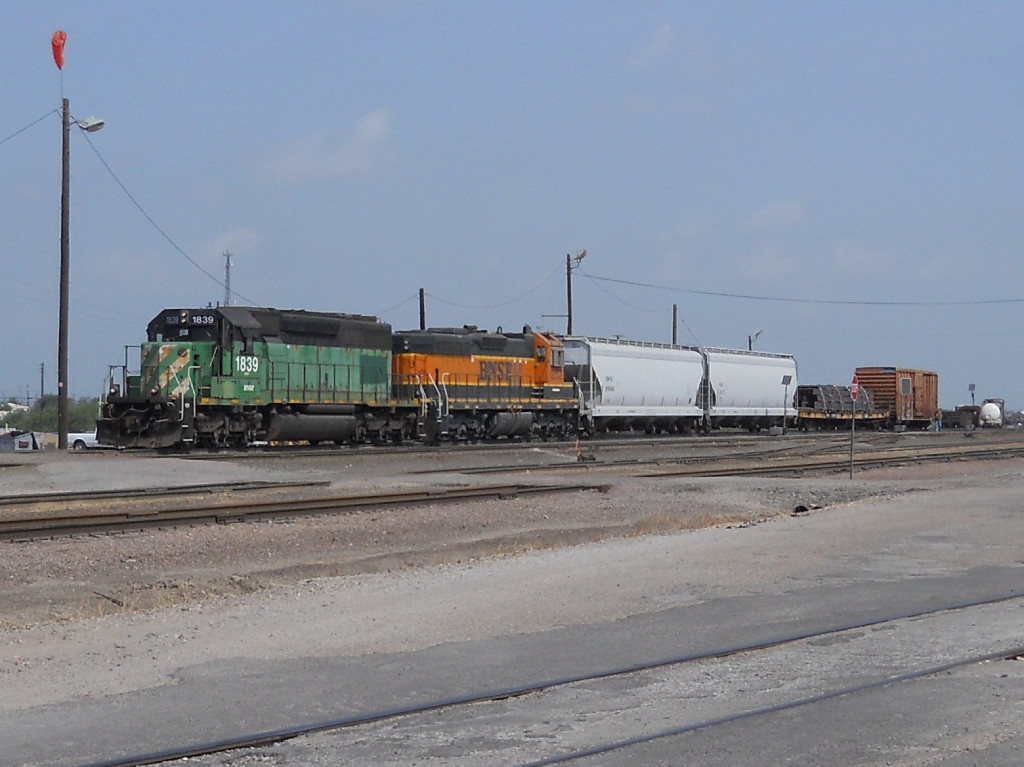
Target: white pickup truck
<point>83,440</point>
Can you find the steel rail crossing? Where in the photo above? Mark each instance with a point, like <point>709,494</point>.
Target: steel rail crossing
<point>269,737</point>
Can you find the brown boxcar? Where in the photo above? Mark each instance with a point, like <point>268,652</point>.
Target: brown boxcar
<point>910,396</point>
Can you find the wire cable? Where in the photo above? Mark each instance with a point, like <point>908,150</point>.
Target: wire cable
<point>22,130</point>
<point>398,305</point>
<point>532,290</point>
<point>790,300</point>
<point>157,226</point>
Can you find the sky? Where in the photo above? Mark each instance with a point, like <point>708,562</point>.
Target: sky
<point>843,180</point>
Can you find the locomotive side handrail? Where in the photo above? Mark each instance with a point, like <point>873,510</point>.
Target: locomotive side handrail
<point>444,401</point>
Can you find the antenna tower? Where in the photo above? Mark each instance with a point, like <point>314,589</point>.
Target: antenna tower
<point>227,278</point>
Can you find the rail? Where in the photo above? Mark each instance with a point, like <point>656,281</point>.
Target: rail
<point>46,524</point>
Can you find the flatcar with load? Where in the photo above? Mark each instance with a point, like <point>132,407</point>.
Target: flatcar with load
<point>822,407</point>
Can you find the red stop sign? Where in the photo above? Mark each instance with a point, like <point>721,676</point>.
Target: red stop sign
<point>854,388</point>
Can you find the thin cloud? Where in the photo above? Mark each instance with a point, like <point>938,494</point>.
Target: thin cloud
<point>324,155</point>
<point>777,215</point>
<point>657,48</point>
<point>768,264</point>
<point>854,258</point>
<point>236,241</point>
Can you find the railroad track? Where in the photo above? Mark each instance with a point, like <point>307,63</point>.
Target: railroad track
<point>151,493</point>
<point>782,465</point>
<point>142,514</point>
<point>470,709</point>
<point>760,463</point>
<point>605,441</point>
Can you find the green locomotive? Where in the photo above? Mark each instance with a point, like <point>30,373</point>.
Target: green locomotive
<point>231,376</point>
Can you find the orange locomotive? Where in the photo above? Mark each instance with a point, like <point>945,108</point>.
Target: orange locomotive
<point>465,384</point>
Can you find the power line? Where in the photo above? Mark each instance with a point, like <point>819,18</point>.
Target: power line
<point>157,226</point>
<point>791,300</point>
<point>401,303</point>
<point>532,290</point>
<point>22,130</point>
<point>621,300</point>
<point>135,202</point>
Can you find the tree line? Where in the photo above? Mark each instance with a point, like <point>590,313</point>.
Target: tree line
<point>42,416</point>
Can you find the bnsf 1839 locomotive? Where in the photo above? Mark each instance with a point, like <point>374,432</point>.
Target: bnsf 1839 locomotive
<point>231,376</point>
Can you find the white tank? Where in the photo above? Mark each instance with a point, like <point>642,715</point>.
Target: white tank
<point>637,379</point>
<point>631,381</point>
<point>991,415</point>
<point>749,384</point>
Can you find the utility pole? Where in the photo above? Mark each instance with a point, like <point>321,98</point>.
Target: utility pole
<point>569,266</point>
<point>423,310</point>
<point>65,264</point>
<point>89,125</point>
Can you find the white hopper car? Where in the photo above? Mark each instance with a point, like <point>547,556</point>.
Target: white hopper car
<point>659,387</point>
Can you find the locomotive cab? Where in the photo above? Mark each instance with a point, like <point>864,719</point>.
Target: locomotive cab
<point>549,367</point>
<point>156,406</point>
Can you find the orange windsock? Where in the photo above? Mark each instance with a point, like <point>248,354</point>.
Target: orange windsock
<point>59,38</point>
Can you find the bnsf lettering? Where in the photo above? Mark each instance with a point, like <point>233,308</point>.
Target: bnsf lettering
<point>493,370</point>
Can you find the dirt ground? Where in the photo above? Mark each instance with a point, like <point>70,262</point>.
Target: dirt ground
<point>70,579</point>
<point>92,616</point>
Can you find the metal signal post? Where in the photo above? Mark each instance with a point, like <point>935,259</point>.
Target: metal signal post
<point>854,392</point>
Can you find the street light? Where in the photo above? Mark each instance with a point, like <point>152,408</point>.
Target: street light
<point>89,125</point>
<point>569,266</point>
<point>751,339</point>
